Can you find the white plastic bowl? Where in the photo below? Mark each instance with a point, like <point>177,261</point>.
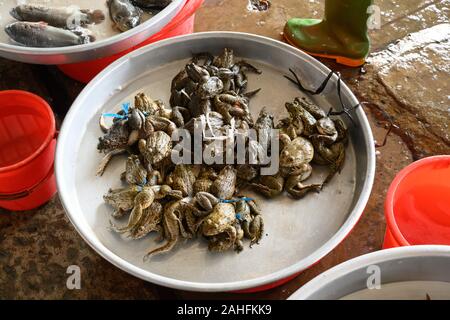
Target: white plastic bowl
<point>299,232</point>
<point>405,273</point>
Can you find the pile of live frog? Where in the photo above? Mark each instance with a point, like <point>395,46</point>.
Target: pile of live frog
<point>200,201</point>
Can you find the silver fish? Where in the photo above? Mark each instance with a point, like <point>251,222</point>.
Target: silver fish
<point>125,15</point>
<point>39,34</point>
<point>70,17</point>
<point>152,4</point>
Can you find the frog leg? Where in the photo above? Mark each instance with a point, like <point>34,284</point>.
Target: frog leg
<point>184,230</point>
<point>325,139</point>
<point>266,190</point>
<point>221,243</point>
<point>171,232</point>
<point>106,159</point>
<point>224,110</point>
<point>254,209</point>
<point>135,216</point>
<point>149,222</point>
<point>159,229</point>
<point>246,228</point>
<point>191,222</point>
<point>300,190</point>
<point>118,213</point>
<point>133,137</point>
<point>336,166</point>
<point>238,244</point>
<point>256,229</point>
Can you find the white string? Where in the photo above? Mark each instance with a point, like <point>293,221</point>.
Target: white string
<point>255,146</point>
<point>206,122</point>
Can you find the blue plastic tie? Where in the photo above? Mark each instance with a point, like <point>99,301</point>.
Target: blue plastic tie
<point>115,115</point>
<point>238,216</point>
<point>125,108</point>
<point>246,199</point>
<point>143,183</point>
<point>228,201</point>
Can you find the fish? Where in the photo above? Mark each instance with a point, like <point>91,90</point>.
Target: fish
<point>124,14</point>
<point>152,4</point>
<point>71,17</point>
<point>42,35</point>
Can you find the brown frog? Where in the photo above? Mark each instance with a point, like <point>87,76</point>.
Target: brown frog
<point>298,114</point>
<point>269,186</point>
<point>115,142</point>
<point>295,153</point>
<point>327,131</point>
<point>296,188</point>
<point>149,222</point>
<point>206,201</point>
<point>171,229</point>
<point>221,220</point>
<point>135,173</point>
<point>333,156</point>
<point>205,180</point>
<point>225,184</point>
<point>182,178</point>
<point>249,216</point>
<point>142,201</point>
<point>174,215</point>
<point>122,200</point>
<point>157,147</point>
<point>145,104</point>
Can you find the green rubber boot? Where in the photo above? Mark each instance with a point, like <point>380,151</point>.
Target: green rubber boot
<point>341,35</point>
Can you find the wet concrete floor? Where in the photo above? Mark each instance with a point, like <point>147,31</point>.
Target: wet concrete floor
<point>406,81</point>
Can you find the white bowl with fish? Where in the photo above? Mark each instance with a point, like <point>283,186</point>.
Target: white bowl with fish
<point>297,233</point>
<point>66,31</point>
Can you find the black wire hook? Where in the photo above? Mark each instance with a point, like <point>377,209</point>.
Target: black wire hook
<point>302,88</point>
<point>319,90</point>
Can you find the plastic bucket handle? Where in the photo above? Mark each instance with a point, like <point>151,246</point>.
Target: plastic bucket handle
<point>27,192</point>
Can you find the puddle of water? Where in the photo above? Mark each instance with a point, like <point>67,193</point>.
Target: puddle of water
<point>424,97</point>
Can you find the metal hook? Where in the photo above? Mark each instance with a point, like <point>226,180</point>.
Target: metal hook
<point>319,90</point>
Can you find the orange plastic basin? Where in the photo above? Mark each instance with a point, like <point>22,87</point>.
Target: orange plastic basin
<point>27,148</point>
<point>183,23</point>
<point>417,206</point>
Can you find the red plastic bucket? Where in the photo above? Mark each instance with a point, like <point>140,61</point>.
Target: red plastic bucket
<point>417,206</point>
<point>183,23</point>
<point>27,148</point>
